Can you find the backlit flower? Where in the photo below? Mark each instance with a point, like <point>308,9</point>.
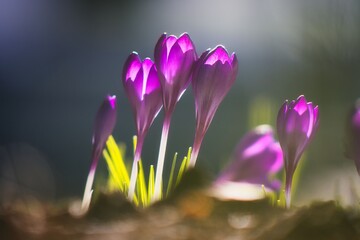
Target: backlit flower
<point>297,123</point>
<point>256,159</point>
<point>214,74</point>
<point>174,59</point>
<point>143,89</point>
<point>104,125</point>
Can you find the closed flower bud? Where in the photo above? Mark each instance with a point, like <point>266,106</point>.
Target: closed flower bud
<point>214,74</point>
<point>297,123</point>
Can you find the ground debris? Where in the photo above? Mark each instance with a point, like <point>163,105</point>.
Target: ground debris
<point>255,220</point>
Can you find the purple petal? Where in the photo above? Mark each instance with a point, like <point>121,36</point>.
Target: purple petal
<point>218,54</point>
<point>311,119</point>
<point>213,77</point>
<point>131,67</point>
<point>255,141</point>
<point>133,75</point>
<point>297,119</point>
<point>316,118</point>
<point>300,106</point>
<point>104,121</point>
<point>135,87</point>
<point>278,160</point>
<point>185,43</point>
<point>147,64</point>
<point>158,52</point>
<point>143,91</point>
<point>153,82</point>
<point>174,64</point>
<point>234,62</point>
<point>256,157</point>
<point>174,59</point>
<point>281,117</point>
<point>275,184</point>
<point>291,104</point>
<point>170,41</point>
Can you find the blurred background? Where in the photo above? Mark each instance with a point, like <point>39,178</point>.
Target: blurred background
<point>58,59</point>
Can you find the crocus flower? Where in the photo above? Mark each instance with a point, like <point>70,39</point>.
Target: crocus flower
<point>353,136</point>
<point>104,124</point>
<point>174,59</point>
<point>297,123</point>
<point>143,89</point>
<point>256,159</point>
<point>214,74</point>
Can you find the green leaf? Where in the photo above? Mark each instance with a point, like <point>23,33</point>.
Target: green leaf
<point>181,170</point>
<point>151,183</point>
<point>188,157</point>
<point>113,174</point>
<point>171,177</point>
<point>142,191</point>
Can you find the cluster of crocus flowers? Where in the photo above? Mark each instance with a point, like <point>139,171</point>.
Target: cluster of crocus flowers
<point>104,124</point>
<point>353,135</point>
<point>153,85</point>
<point>149,86</point>
<point>297,123</point>
<point>256,160</point>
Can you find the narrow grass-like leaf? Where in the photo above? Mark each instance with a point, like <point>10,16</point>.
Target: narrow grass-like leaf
<point>161,189</point>
<point>188,157</point>
<point>181,170</point>
<point>151,183</point>
<point>281,201</point>
<point>270,195</point>
<point>113,174</point>
<point>142,185</point>
<point>118,160</point>
<point>118,171</point>
<point>134,143</point>
<point>171,177</point>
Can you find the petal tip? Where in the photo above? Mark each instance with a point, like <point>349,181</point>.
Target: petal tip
<point>112,101</point>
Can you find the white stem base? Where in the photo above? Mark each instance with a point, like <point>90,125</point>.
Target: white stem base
<point>88,192</point>
<point>133,178</point>
<point>160,162</point>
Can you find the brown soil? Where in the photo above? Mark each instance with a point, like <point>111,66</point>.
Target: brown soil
<point>188,214</point>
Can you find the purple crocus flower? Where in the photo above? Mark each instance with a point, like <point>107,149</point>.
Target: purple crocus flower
<point>174,59</point>
<point>104,124</point>
<point>214,74</point>
<point>143,89</point>
<point>297,123</point>
<point>353,136</point>
<point>256,159</point>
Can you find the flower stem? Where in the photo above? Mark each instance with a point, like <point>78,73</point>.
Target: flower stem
<point>134,171</point>
<point>196,148</point>
<point>288,183</point>
<point>161,157</point>
<point>89,182</point>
